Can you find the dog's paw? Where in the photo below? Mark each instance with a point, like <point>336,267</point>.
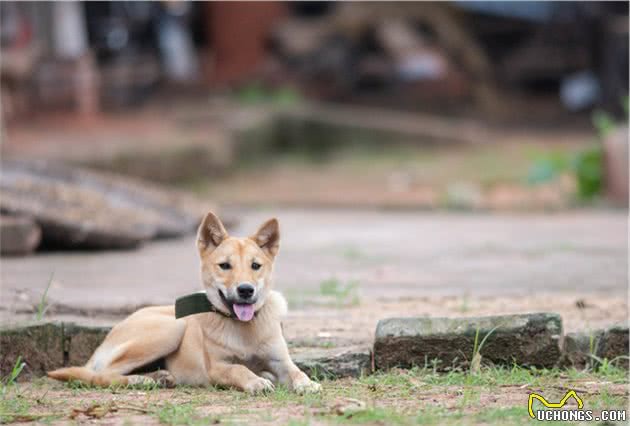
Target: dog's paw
<point>258,385</point>
<point>163,378</point>
<point>306,385</point>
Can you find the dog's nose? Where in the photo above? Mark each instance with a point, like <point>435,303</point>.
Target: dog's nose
<point>245,291</point>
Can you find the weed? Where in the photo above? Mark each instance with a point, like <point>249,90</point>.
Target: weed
<point>331,292</point>
<point>607,400</point>
<point>605,366</point>
<point>255,94</point>
<point>470,396</point>
<point>343,294</point>
<point>182,414</point>
<point>13,408</point>
<point>603,122</point>
<point>43,306</point>
<point>475,364</point>
<point>12,377</point>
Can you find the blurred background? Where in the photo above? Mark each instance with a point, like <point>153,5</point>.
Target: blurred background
<point>445,158</point>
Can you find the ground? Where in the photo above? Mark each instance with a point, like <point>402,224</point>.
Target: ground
<point>333,265</point>
<point>344,263</point>
<point>492,396</point>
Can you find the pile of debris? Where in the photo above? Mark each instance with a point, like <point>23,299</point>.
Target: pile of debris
<point>53,205</point>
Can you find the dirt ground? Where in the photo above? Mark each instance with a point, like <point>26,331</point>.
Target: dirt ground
<point>493,176</point>
<point>341,270</point>
<point>398,397</point>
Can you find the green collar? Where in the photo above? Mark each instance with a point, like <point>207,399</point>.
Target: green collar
<point>195,303</point>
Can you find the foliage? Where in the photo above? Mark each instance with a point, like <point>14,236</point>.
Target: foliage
<point>589,170</point>
<point>182,414</point>
<point>12,377</point>
<point>343,294</point>
<point>254,93</point>
<point>548,167</point>
<point>587,166</point>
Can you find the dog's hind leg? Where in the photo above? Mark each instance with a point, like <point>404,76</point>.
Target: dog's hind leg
<point>143,337</point>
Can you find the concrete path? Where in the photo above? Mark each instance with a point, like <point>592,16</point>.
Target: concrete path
<point>389,255</point>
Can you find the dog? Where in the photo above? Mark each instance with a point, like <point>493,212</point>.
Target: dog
<point>238,345</point>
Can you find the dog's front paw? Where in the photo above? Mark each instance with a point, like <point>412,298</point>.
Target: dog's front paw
<point>258,385</point>
<point>163,378</point>
<point>306,385</point>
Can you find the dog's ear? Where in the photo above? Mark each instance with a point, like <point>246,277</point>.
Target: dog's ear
<point>268,237</point>
<point>211,233</point>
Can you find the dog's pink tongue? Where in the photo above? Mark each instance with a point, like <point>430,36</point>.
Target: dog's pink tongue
<point>244,312</point>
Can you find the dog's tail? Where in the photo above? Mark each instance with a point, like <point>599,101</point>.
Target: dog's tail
<point>90,377</point>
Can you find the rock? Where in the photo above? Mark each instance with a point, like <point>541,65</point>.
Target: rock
<point>578,348</point>
<point>353,361</point>
<point>46,346</point>
<point>19,235</point>
<point>613,345</point>
<point>83,209</point>
<point>80,342</point>
<point>40,346</point>
<point>529,339</point>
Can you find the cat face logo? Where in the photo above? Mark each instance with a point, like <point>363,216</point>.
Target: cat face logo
<point>563,401</point>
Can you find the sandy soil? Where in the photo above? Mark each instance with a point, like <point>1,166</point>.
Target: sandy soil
<point>409,397</point>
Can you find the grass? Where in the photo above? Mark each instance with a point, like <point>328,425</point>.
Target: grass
<point>10,380</point>
<point>420,396</point>
<point>475,364</point>
<point>332,292</point>
<point>13,405</point>
<point>43,306</point>
<point>13,408</point>
<point>342,293</point>
<point>181,414</point>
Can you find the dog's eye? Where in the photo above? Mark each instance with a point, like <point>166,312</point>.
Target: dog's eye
<point>225,266</point>
<point>256,266</point>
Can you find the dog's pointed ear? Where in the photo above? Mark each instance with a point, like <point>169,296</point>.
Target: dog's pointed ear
<point>211,233</point>
<point>268,237</point>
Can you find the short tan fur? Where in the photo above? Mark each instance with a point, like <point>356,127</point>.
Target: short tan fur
<point>246,351</point>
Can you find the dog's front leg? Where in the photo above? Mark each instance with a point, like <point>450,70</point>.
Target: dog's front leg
<point>238,376</point>
<point>288,373</point>
<point>282,366</point>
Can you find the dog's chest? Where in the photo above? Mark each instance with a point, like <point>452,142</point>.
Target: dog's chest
<point>238,343</point>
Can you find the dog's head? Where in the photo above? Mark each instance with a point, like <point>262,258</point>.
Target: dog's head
<point>236,272</point>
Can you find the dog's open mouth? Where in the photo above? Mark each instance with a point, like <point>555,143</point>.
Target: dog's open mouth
<point>242,311</point>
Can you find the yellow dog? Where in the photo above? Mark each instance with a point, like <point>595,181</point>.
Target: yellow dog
<point>240,344</point>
